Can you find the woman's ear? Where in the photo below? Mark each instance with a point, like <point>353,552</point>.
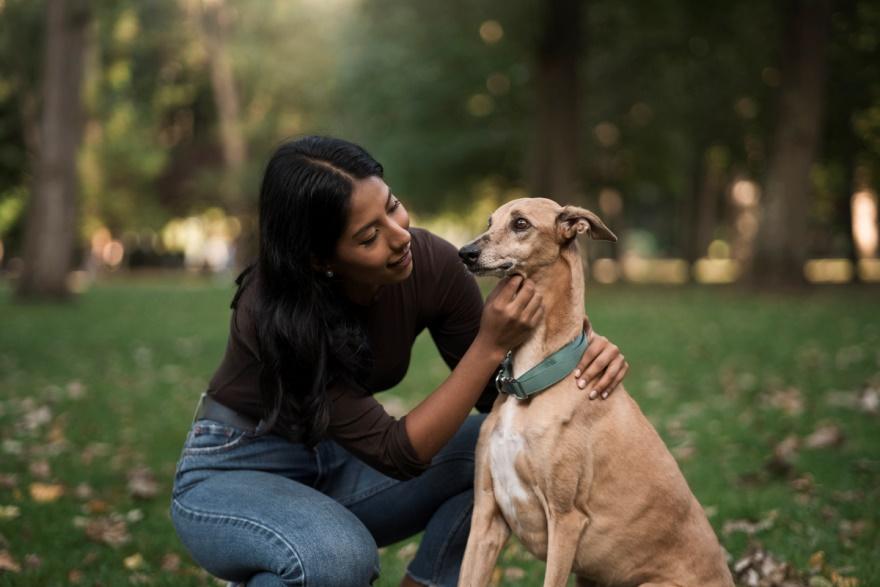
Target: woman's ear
<point>573,221</point>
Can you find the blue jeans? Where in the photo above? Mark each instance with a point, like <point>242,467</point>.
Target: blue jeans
<point>265,511</point>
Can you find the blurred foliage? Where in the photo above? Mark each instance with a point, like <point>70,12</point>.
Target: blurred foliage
<point>443,95</point>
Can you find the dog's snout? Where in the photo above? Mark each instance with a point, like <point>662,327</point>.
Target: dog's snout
<point>469,254</point>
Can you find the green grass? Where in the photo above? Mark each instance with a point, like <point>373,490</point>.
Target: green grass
<point>90,390</point>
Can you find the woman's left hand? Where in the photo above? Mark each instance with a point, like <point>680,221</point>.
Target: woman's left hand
<point>602,357</point>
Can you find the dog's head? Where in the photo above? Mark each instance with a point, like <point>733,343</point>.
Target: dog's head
<point>529,233</point>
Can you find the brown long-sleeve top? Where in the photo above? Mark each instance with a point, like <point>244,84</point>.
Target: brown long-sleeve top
<point>439,295</point>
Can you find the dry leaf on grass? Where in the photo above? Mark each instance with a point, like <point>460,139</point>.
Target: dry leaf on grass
<point>9,512</point>
<point>407,551</point>
<point>869,400</point>
<point>789,400</point>
<point>83,491</point>
<point>514,574</point>
<point>759,568</point>
<point>111,530</point>
<point>824,436</point>
<point>749,527</point>
<point>46,492</point>
<point>40,469</point>
<point>142,483</point>
<point>171,562</point>
<point>7,563</point>
<point>133,562</point>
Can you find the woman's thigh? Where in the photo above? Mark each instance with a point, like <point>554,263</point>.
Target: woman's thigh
<point>393,510</point>
<point>238,524</point>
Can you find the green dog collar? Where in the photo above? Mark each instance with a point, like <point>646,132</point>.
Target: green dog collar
<point>549,371</point>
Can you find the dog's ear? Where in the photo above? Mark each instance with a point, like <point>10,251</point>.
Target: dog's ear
<point>573,221</point>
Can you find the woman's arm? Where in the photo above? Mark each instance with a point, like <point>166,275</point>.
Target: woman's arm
<point>511,312</point>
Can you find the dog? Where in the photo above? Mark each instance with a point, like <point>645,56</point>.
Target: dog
<point>587,486</point>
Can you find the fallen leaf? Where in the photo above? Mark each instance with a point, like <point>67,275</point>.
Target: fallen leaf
<point>9,512</point>
<point>83,491</point>
<point>787,448</point>
<point>789,400</point>
<point>75,576</point>
<point>407,551</point>
<point>134,516</point>
<point>142,483</point>
<point>111,530</point>
<point>514,574</point>
<point>7,563</point>
<point>171,562</point>
<point>46,492</point>
<point>36,418</point>
<point>759,568</point>
<point>825,436</point>
<point>869,400</point>
<point>684,452</point>
<point>133,562</point>
<point>96,506</point>
<point>32,561</point>
<point>40,469</point>
<point>8,481</point>
<point>12,447</point>
<point>76,390</point>
<point>750,527</point>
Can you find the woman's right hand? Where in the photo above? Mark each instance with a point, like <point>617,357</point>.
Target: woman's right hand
<point>511,312</point>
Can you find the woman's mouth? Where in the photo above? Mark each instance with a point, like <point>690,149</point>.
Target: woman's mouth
<point>404,260</point>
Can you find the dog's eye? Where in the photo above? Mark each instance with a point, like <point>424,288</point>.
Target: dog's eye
<point>521,224</point>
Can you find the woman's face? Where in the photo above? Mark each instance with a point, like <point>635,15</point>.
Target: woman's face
<point>374,248</point>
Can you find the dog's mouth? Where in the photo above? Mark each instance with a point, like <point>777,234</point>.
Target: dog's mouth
<point>500,270</point>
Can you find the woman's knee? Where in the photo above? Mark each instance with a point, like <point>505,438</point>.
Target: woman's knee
<point>350,560</point>
<point>238,526</point>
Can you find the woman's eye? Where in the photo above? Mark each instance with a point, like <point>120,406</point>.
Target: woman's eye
<point>370,240</point>
<point>395,205</point>
<point>521,224</point>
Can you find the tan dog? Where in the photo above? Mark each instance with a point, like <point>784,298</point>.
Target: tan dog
<point>586,485</point>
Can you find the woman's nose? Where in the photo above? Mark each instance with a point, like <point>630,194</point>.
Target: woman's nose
<point>400,236</point>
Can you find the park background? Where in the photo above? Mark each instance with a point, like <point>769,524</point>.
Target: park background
<point>733,147</point>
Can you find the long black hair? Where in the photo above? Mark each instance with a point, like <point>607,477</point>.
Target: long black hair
<point>308,340</point>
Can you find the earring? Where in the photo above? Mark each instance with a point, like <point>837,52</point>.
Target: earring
<point>329,274</point>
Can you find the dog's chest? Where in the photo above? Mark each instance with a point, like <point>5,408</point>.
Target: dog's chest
<point>507,447</point>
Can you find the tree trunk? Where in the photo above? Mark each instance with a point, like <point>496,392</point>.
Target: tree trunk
<point>782,237</point>
<point>214,27</point>
<point>554,169</point>
<point>214,21</point>
<point>51,222</point>
<point>702,203</point>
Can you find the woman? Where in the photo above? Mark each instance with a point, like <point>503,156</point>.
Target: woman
<point>292,473</point>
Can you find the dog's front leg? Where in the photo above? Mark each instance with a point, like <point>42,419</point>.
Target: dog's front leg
<point>489,530</point>
<point>563,537</point>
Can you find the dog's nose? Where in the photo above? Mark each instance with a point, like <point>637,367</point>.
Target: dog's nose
<point>469,254</point>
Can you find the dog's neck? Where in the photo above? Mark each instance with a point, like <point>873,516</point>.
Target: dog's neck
<point>561,285</point>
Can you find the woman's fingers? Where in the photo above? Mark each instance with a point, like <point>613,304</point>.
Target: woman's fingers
<point>610,378</point>
<point>597,344</point>
<point>534,311</point>
<point>606,352</point>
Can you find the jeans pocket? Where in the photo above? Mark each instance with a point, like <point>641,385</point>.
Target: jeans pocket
<point>210,437</point>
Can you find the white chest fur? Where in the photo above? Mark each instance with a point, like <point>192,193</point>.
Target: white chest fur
<point>506,443</point>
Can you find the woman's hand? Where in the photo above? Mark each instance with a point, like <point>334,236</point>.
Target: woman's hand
<point>601,357</point>
<point>511,312</point>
